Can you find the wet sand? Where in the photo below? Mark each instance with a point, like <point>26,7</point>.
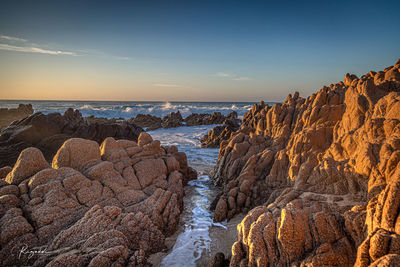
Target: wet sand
<point>222,241</point>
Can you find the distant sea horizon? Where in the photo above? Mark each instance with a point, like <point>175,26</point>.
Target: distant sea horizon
<point>129,109</point>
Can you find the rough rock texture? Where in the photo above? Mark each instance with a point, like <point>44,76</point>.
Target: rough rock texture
<point>49,132</point>
<point>108,205</point>
<point>218,260</point>
<point>174,119</point>
<point>147,121</point>
<point>9,115</point>
<point>324,173</point>
<point>221,132</point>
<point>208,119</point>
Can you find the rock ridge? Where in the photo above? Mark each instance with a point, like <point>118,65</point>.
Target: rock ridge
<point>318,176</point>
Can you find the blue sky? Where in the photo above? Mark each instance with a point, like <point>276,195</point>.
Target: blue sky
<point>190,50</point>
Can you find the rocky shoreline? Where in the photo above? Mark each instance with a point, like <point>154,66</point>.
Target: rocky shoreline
<point>117,169</point>
<point>317,180</point>
<point>23,129</point>
<point>318,177</point>
<point>175,119</point>
<point>48,132</point>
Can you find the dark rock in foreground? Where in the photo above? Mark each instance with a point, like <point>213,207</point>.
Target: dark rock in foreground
<point>49,132</point>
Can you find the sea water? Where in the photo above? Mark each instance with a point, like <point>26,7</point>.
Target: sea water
<point>127,110</point>
<point>196,218</point>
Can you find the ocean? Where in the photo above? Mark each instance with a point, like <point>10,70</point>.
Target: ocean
<point>129,109</point>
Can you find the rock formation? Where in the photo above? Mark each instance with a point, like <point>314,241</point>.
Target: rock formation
<point>221,132</point>
<point>9,115</point>
<point>49,132</point>
<point>319,177</point>
<point>108,205</point>
<point>208,119</point>
<point>147,121</point>
<point>174,119</point>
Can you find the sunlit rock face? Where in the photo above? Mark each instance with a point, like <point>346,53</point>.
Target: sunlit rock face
<point>108,205</point>
<point>319,177</point>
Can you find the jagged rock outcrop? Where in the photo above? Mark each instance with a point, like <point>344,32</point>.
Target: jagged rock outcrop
<point>175,119</point>
<point>101,120</point>
<point>49,132</point>
<point>208,119</point>
<point>147,121</point>
<point>9,115</point>
<point>108,205</point>
<point>172,120</point>
<point>221,132</point>
<point>326,172</point>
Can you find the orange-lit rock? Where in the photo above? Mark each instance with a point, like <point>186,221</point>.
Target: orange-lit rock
<point>322,175</point>
<point>96,206</point>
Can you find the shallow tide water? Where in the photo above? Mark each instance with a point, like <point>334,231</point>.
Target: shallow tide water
<point>196,222</point>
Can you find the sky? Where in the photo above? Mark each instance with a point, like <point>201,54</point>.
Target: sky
<point>190,50</point>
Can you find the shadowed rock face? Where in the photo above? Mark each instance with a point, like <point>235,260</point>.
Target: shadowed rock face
<point>221,132</point>
<point>324,173</point>
<point>147,121</point>
<point>49,132</point>
<point>174,119</point>
<point>9,115</point>
<point>108,205</point>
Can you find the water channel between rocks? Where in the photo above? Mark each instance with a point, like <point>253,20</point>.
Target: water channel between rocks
<point>198,236</point>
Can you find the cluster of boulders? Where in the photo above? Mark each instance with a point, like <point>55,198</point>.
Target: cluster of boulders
<point>221,132</point>
<point>323,174</point>
<point>108,205</point>
<point>175,119</point>
<point>49,132</point>
<point>9,115</point>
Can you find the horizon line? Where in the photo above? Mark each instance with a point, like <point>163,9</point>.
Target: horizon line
<point>162,101</point>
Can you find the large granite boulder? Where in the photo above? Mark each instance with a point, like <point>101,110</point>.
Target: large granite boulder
<point>108,205</point>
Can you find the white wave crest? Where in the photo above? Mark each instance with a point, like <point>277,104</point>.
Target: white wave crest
<point>168,105</point>
<point>128,110</point>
